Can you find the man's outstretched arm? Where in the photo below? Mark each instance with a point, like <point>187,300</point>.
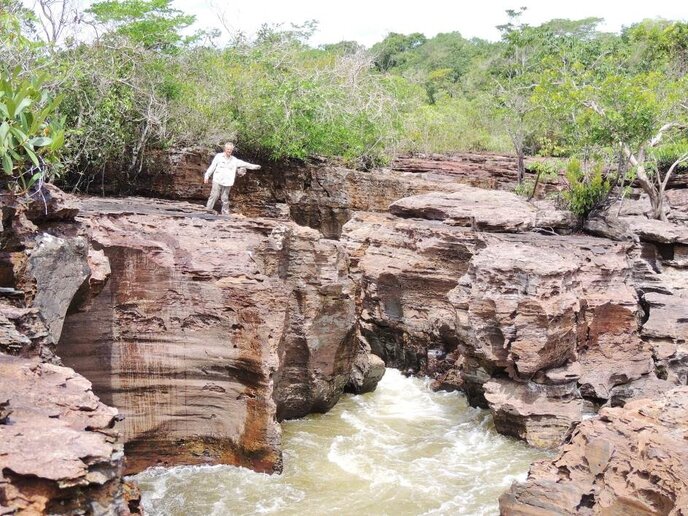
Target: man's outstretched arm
<point>246,164</point>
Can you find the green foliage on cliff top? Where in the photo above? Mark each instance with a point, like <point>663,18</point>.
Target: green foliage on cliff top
<point>144,81</point>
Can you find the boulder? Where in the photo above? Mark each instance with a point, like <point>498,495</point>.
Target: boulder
<point>367,371</point>
<point>59,453</point>
<point>630,460</point>
<point>50,204</point>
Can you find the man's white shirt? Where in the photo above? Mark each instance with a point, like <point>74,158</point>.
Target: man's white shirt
<point>223,169</point>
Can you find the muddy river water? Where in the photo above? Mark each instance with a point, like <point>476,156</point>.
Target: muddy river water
<point>400,450</point>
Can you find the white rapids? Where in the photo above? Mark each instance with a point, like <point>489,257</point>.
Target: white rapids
<point>401,450</point>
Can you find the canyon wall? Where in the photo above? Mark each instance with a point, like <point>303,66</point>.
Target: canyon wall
<point>210,329</point>
<point>482,291</point>
<point>205,331</point>
<point>59,450</point>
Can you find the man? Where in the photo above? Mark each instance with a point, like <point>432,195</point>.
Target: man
<point>223,169</point>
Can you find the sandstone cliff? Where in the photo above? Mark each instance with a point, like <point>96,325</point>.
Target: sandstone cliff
<point>205,331</point>
<point>320,194</point>
<point>210,329</point>
<point>480,290</point>
<point>59,451</point>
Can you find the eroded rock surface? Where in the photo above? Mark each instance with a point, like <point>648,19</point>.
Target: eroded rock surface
<point>322,195</point>
<point>484,210</point>
<point>209,329</point>
<point>630,460</point>
<point>43,263</point>
<point>541,328</point>
<point>59,453</point>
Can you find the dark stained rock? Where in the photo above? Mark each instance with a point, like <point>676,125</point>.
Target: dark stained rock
<point>41,268</point>
<point>58,267</point>
<point>23,332</point>
<point>367,371</point>
<point>50,204</point>
<point>5,411</point>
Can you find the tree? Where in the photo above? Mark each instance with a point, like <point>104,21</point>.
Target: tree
<point>393,50</point>
<point>151,23</point>
<point>514,73</point>
<point>56,17</point>
<point>620,104</point>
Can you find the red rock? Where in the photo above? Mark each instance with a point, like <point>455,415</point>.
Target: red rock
<point>50,204</point>
<point>320,194</point>
<point>541,415</point>
<point>58,452</point>
<point>548,327</point>
<point>476,208</point>
<point>630,460</point>
<point>209,329</point>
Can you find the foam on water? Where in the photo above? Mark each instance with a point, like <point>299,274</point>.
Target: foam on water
<point>400,450</point>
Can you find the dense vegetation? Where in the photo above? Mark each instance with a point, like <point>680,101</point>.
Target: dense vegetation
<point>86,91</point>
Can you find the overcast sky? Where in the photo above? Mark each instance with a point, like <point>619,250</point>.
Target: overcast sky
<point>368,21</point>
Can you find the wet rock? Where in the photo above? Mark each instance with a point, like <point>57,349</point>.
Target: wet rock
<point>630,460</point>
<point>209,329</point>
<point>541,415</point>
<point>58,451</point>
<point>367,370</point>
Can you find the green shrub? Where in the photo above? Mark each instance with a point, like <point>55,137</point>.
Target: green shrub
<point>31,133</point>
<point>587,189</point>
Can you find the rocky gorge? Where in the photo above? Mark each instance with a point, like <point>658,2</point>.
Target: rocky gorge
<point>149,328</point>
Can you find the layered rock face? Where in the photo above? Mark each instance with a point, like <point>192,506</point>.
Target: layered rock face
<point>659,275</point>
<point>550,330</point>
<point>630,460</point>
<point>205,331</point>
<point>323,195</point>
<point>477,289</point>
<point>59,453</point>
<point>37,239</point>
<point>209,329</point>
